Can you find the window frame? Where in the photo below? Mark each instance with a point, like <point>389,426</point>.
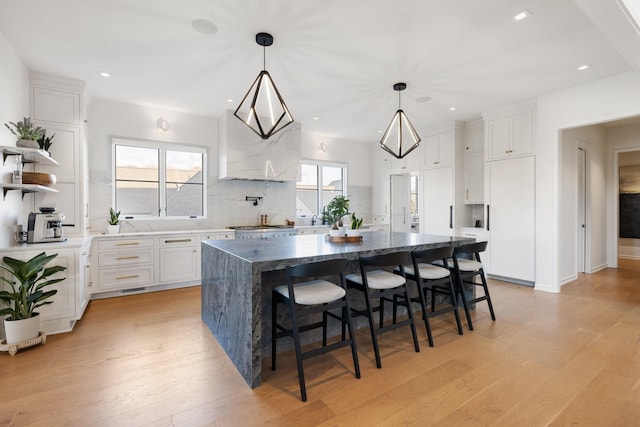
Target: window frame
<point>319,164</point>
<point>162,147</point>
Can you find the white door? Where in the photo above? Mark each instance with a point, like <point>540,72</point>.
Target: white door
<point>510,218</point>
<point>582,209</point>
<point>400,203</point>
<point>437,202</point>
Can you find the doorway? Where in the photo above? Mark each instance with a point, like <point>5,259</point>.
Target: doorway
<point>581,205</point>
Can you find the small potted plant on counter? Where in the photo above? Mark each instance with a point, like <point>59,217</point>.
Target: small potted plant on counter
<point>356,223</point>
<point>337,208</point>
<point>28,134</point>
<point>45,141</point>
<point>25,294</point>
<point>114,222</point>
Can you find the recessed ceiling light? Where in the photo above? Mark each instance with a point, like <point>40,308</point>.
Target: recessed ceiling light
<point>315,118</point>
<point>452,109</point>
<point>379,131</point>
<point>423,99</point>
<point>104,74</point>
<point>204,26</point>
<point>229,100</point>
<point>522,15</point>
<point>584,67</point>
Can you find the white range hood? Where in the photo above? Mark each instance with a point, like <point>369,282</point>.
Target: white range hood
<point>244,155</point>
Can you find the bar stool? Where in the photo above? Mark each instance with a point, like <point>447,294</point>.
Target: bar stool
<point>382,285</point>
<point>435,279</point>
<point>313,296</point>
<point>466,264</point>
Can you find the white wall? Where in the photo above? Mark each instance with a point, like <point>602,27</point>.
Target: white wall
<point>14,105</point>
<point>601,101</point>
<point>622,139</point>
<point>226,199</point>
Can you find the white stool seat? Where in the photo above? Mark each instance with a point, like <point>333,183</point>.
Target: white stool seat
<point>313,292</point>
<point>378,279</point>
<point>464,264</point>
<point>427,271</point>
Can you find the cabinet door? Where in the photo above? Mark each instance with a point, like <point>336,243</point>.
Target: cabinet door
<point>445,150</point>
<point>474,140</point>
<point>437,212</point>
<point>521,134</point>
<point>56,106</point>
<point>178,259</point>
<point>431,151</point>
<point>380,194</point>
<point>510,221</point>
<point>474,177</point>
<point>400,203</point>
<point>498,136</point>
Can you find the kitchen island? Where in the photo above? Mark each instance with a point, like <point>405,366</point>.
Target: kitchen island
<point>238,274</point>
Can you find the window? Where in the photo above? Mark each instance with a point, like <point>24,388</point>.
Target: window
<point>159,180</point>
<point>320,182</point>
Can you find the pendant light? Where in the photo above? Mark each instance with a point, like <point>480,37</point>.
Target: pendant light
<point>400,133</point>
<point>262,108</point>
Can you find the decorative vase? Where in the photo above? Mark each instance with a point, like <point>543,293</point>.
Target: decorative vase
<point>336,233</point>
<point>113,229</point>
<point>27,143</point>
<point>18,331</point>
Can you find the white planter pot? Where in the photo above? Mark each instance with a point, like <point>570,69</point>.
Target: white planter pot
<point>18,331</point>
<point>353,233</point>
<point>113,229</point>
<point>337,233</point>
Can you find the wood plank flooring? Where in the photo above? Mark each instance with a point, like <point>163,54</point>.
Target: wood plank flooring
<point>147,360</point>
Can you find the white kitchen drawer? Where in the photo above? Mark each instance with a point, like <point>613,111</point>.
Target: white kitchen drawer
<point>133,256</point>
<point>110,279</point>
<point>170,241</point>
<point>125,244</point>
<point>223,235</point>
<point>480,234</point>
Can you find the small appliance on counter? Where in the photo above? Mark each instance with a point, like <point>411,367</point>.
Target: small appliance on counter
<point>45,226</point>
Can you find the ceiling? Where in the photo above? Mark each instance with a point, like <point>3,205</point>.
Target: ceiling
<point>335,61</point>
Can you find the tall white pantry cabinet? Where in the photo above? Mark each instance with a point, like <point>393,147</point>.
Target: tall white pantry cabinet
<point>510,193</point>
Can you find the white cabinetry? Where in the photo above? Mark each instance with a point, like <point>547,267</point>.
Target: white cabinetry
<point>510,218</point>
<point>61,315</point>
<point>178,259</point>
<point>439,150</point>
<point>381,189</point>
<point>312,230</point>
<point>510,135</point>
<point>57,106</point>
<point>125,263</point>
<point>437,216</point>
<point>474,163</point>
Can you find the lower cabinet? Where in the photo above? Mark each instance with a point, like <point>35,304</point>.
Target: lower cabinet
<point>61,315</point>
<point>178,259</point>
<point>124,263</point>
<point>312,230</point>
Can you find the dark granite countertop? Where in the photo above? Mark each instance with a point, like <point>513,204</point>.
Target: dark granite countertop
<point>318,246</point>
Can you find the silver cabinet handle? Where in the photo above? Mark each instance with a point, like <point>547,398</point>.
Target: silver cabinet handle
<point>128,257</point>
<point>127,277</point>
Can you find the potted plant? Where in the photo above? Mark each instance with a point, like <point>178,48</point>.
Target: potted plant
<point>356,223</point>
<point>25,294</point>
<point>337,208</point>
<point>45,141</point>
<point>28,134</point>
<point>114,222</point>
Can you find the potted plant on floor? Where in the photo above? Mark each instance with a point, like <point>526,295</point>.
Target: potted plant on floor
<point>356,223</point>
<point>114,222</point>
<point>25,294</point>
<point>28,134</point>
<point>337,208</point>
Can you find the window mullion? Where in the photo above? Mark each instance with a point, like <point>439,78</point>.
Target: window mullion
<point>162,193</point>
<point>319,192</point>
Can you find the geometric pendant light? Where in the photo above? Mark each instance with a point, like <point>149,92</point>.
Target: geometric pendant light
<point>400,138</point>
<point>262,108</point>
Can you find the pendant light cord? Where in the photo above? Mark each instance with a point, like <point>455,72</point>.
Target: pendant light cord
<point>399,104</point>
<point>264,58</point>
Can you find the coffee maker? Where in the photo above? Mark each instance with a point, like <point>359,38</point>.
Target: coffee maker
<point>45,227</point>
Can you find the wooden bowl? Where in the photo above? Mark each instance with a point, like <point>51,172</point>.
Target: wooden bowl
<point>38,178</point>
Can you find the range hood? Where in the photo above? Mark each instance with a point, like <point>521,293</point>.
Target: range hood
<point>244,155</point>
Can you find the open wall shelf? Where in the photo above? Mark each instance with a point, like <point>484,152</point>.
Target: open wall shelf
<point>29,155</point>
<point>26,188</point>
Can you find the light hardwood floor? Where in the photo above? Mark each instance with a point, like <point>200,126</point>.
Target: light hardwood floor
<point>549,359</point>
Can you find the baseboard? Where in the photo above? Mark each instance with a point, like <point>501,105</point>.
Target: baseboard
<point>634,257</point>
<point>598,267</point>
<point>568,279</point>
<point>142,290</point>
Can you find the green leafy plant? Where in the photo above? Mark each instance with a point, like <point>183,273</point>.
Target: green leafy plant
<point>25,129</point>
<point>28,289</point>
<point>356,223</point>
<point>336,209</point>
<point>45,141</point>
<point>114,217</point>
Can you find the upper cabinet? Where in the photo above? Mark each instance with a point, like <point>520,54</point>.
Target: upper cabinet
<point>244,155</point>
<point>510,134</point>
<point>439,150</point>
<point>474,162</point>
